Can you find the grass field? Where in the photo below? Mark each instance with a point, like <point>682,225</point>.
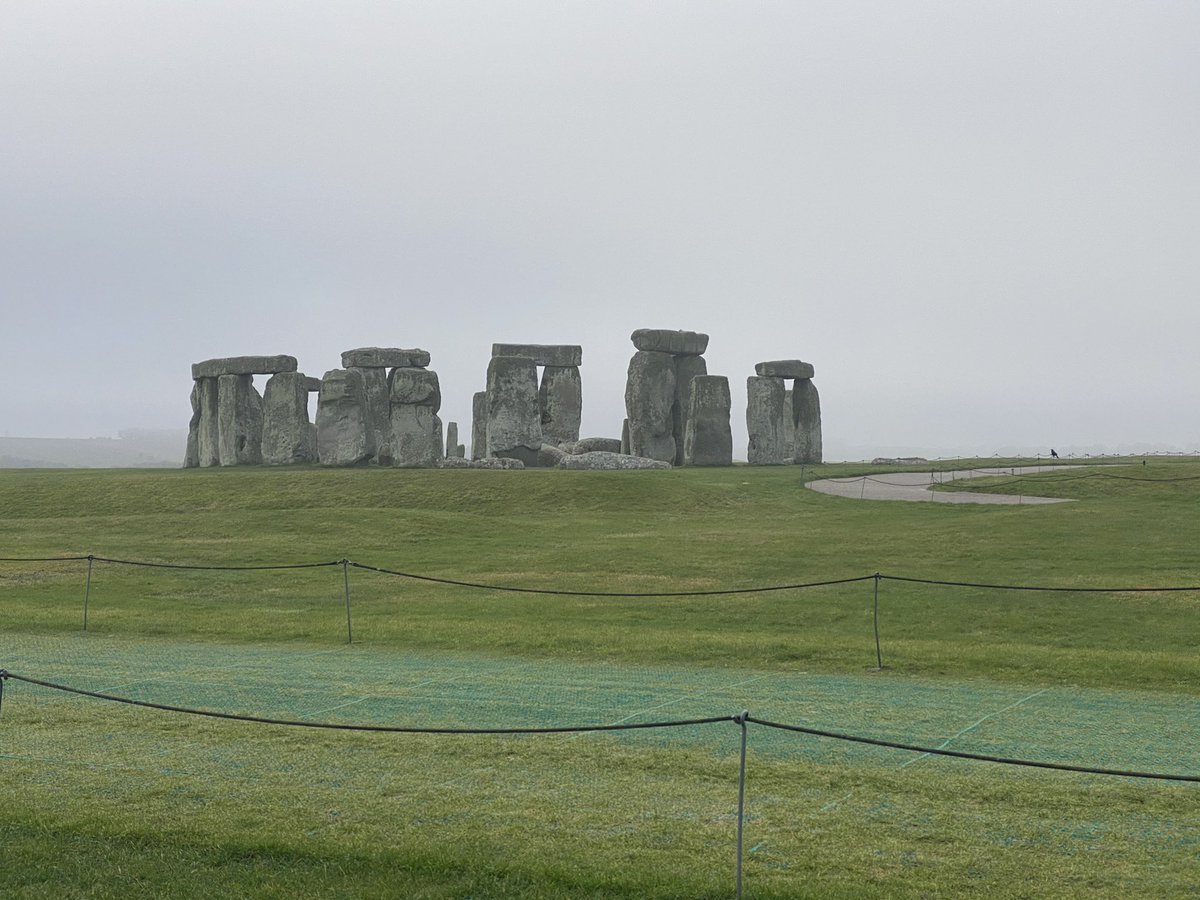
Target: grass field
<point>110,800</point>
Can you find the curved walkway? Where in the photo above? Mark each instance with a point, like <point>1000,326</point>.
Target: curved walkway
<point>918,486</point>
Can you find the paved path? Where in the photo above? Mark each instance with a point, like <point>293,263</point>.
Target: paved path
<point>918,486</point>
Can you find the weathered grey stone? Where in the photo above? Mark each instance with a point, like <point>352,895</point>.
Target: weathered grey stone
<point>460,450</point>
<point>543,354</point>
<point>765,410</point>
<point>550,456</point>
<point>593,444</point>
<point>451,438</point>
<point>379,409</point>
<point>784,368</point>
<point>600,459</point>
<point>662,340</point>
<point>497,462</point>
<point>191,455</point>
<point>479,415</point>
<point>439,445</point>
<point>239,421</point>
<point>286,433</point>
<point>208,445</point>
<point>560,399</point>
<point>807,415</point>
<point>454,462</point>
<point>415,438</point>
<point>514,421</point>
<point>312,385</point>
<point>344,433</point>
<point>789,422</point>
<point>243,365</point>
<point>686,368</point>
<point>709,440</point>
<point>384,358</point>
<point>625,437</point>
<point>419,386</point>
<point>649,399</point>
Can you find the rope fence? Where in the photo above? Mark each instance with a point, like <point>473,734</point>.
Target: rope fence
<point>742,719</point>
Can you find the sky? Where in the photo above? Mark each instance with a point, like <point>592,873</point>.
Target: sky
<point>980,221</point>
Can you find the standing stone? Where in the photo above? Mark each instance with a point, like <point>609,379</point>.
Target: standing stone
<point>560,399</point>
<point>686,368</point>
<point>379,411</point>
<point>766,401</point>
<point>789,422</point>
<point>191,456</point>
<point>239,421</point>
<point>208,446</point>
<point>479,425</point>
<point>709,440</point>
<point>514,420</point>
<point>286,429</point>
<point>807,416</point>
<point>625,437</point>
<point>344,433</point>
<point>452,439</point>
<point>416,397</point>
<point>649,399</point>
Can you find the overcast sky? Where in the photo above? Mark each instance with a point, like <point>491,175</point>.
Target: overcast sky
<point>979,221</point>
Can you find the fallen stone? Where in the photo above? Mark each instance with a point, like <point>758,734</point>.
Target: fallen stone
<point>686,368</point>
<point>385,358</point>
<point>806,409</point>
<point>479,425</point>
<point>680,343</point>
<point>543,354</point>
<point>454,462</point>
<point>593,444</point>
<point>239,421</point>
<point>514,420</point>
<point>560,400</point>
<point>286,433</point>
<point>243,365</point>
<point>784,368</point>
<point>344,433</point>
<point>649,400</point>
<point>601,459</point>
<point>550,456</point>
<point>497,462</point>
<point>766,401</point>
<point>709,440</point>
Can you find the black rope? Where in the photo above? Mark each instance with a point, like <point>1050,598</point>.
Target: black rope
<point>394,729</point>
<point>42,558</point>
<point>563,593</point>
<point>153,565</point>
<point>1030,587</point>
<point>982,757</point>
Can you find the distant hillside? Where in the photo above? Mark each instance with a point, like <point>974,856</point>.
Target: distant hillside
<point>131,449</point>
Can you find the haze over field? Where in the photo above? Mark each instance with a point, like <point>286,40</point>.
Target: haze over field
<point>978,221</point>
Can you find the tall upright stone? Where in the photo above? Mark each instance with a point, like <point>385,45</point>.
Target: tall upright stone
<point>649,402</point>
<point>708,440</point>
<point>789,422</point>
<point>344,433</point>
<point>191,455</point>
<point>686,368</point>
<point>287,433</point>
<point>452,439</point>
<point>239,421</point>
<point>416,397</point>
<point>560,399</point>
<point>807,415</point>
<point>514,420</point>
<point>625,438</point>
<point>765,410</point>
<point>208,445</point>
<point>479,413</point>
<point>379,409</point>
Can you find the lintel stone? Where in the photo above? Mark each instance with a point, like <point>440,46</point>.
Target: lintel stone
<point>244,365</point>
<point>543,354</point>
<point>385,358</point>
<point>784,368</point>
<point>663,340</point>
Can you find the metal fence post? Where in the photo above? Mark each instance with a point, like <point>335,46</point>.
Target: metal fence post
<point>878,651</point>
<point>741,813</point>
<point>346,583</point>
<point>87,590</point>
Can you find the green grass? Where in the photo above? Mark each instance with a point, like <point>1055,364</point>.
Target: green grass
<point>104,801</point>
